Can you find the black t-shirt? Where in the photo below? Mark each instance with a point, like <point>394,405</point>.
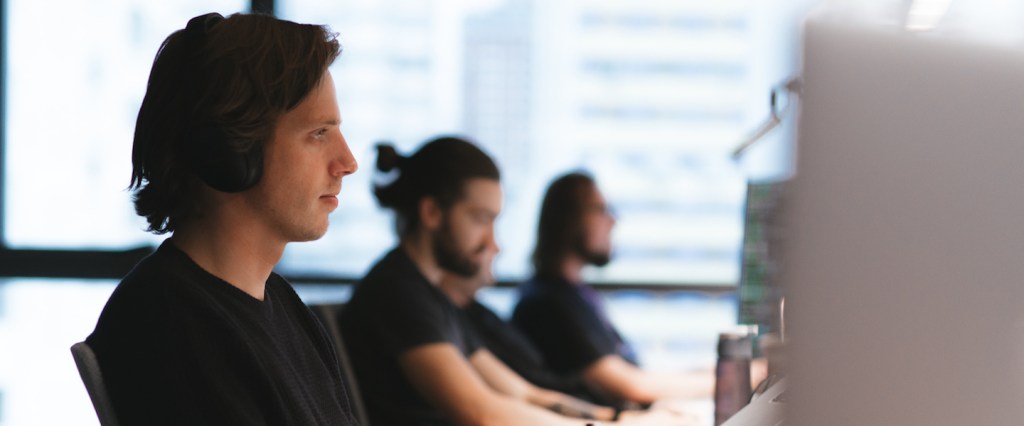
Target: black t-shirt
<point>395,309</point>
<point>514,349</point>
<point>567,324</point>
<point>179,346</point>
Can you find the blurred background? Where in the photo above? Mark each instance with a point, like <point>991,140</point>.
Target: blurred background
<point>651,96</point>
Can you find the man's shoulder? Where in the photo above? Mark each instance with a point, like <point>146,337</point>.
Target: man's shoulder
<point>393,276</point>
<point>394,264</point>
<point>138,306</point>
<point>477,311</point>
<point>151,277</point>
<point>162,288</point>
<point>165,274</point>
<point>546,291</point>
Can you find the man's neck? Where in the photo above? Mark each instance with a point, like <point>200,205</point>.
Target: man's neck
<point>241,258</point>
<point>457,297</point>
<point>418,248</point>
<point>572,268</point>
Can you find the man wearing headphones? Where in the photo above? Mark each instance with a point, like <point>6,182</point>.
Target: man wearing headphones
<point>237,152</point>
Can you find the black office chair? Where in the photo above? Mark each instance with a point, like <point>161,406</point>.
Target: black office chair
<point>328,314</point>
<point>89,369</point>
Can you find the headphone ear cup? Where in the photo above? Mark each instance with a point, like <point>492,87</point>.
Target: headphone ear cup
<point>218,164</point>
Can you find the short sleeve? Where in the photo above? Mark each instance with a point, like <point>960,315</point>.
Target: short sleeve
<point>404,311</point>
<point>569,334</point>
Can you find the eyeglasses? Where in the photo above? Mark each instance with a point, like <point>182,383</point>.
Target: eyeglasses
<point>603,209</point>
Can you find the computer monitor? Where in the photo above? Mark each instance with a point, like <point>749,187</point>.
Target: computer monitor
<point>904,261</point>
<point>759,291</point>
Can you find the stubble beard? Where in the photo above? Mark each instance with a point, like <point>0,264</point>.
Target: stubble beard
<point>311,229</point>
<point>597,258</point>
<point>448,256</point>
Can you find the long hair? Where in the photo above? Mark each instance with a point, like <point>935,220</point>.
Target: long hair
<point>439,170</point>
<point>239,74</point>
<point>560,226</point>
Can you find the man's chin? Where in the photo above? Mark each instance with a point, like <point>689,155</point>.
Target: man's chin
<point>464,269</point>
<point>309,234</point>
<point>599,259</point>
<point>467,271</point>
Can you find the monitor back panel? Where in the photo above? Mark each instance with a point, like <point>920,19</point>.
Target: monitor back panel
<point>904,258</point>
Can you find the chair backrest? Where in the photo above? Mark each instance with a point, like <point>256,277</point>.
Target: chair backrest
<point>328,314</point>
<point>89,369</point>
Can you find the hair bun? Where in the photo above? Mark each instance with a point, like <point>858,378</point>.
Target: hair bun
<point>387,157</point>
<point>385,181</point>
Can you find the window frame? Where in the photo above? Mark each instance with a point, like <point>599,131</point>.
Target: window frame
<point>114,264</point>
<point>52,263</point>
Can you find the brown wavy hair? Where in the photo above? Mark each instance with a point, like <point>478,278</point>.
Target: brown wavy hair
<point>439,169</point>
<point>240,75</point>
<point>560,227</point>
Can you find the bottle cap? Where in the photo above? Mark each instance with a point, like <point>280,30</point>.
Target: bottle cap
<point>734,345</point>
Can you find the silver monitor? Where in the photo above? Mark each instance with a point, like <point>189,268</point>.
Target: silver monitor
<point>904,257</point>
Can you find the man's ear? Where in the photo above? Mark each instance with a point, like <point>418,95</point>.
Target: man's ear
<point>430,213</point>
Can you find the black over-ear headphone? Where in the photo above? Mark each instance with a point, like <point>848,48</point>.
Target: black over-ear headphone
<point>210,151</point>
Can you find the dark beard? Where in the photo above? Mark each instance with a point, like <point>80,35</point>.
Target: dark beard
<point>591,257</point>
<point>448,256</point>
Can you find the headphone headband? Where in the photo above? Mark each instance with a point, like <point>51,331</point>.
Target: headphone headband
<point>200,25</point>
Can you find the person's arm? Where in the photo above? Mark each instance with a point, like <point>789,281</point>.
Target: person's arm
<point>501,378</point>
<point>447,380</point>
<point>623,380</point>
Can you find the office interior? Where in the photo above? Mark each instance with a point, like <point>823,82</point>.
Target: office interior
<point>688,114</point>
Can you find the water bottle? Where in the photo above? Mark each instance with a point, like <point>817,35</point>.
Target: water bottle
<point>732,374</point>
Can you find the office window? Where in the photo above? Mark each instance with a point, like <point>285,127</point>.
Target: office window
<point>651,97</point>
<point>76,74</point>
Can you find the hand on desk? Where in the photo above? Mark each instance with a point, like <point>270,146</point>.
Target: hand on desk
<point>758,371</point>
<point>659,417</point>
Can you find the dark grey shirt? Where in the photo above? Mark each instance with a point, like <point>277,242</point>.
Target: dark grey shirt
<point>179,346</point>
<point>568,324</point>
<point>395,309</point>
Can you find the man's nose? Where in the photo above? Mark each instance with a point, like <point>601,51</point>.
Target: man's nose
<point>344,162</point>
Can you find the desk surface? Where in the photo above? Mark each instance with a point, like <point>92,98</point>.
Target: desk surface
<point>765,409</point>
